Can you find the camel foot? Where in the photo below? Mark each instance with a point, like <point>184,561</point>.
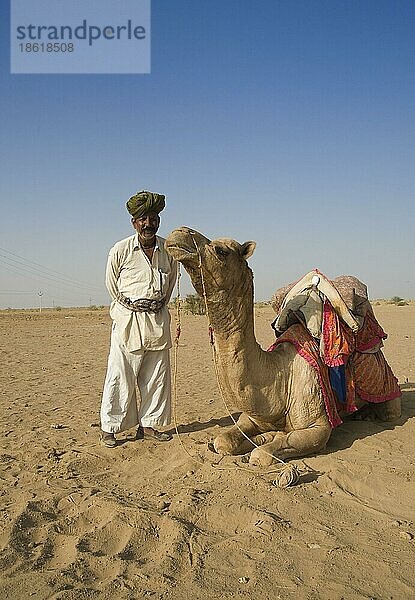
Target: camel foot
<point>258,458</point>
<point>237,439</point>
<point>232,443</point>
<point>295,444</point>
<point>265,454</point>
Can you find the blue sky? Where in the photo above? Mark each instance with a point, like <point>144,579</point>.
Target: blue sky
<point>289,123</point>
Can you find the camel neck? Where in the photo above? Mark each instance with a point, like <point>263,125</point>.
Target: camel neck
<point>232,323</point>
<point>239,359</point>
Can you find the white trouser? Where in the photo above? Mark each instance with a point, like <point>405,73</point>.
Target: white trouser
<point>150,370</point>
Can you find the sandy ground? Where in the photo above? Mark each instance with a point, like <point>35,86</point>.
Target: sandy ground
<point>172,520</point>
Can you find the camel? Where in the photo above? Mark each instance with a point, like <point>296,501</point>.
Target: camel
<point>278,393</point>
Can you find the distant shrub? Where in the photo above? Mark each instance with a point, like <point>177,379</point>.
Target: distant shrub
<point>94,307</point>
<point>398,301</point>
<point>58,308</point>
<point>261,304</point>
<point>194,304</point>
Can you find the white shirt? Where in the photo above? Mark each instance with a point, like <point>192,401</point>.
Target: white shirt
<point>130,271</point>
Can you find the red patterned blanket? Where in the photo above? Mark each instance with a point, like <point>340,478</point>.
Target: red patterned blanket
<point>368,375</point>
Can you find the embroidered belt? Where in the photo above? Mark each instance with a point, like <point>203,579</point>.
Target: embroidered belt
<point>142,304</point>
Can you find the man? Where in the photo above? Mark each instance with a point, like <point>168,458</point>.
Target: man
<point>140,278</point>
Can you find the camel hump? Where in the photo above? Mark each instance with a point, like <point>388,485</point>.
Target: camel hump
<point>354,293</point>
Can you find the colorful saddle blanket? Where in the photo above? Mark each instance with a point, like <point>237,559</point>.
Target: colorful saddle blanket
<point>367,374</point>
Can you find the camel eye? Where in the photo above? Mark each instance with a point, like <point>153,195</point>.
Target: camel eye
<point>221,252</point>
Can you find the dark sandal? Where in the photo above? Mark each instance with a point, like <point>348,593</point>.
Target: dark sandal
<point>108,439</point>
<point>159,436</point>
<point>139,434</point>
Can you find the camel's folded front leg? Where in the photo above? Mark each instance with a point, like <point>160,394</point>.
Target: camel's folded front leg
<point>294,444</point>
<point>237,439</point>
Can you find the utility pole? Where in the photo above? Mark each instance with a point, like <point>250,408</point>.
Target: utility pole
<point>40,294</point>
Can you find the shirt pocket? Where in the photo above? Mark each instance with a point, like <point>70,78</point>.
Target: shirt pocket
<point>135,272</point>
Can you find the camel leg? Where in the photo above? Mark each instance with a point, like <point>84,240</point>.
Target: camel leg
<point>380,411</point>
<point>297,443</point>
<point>235,442</point>
<point>388,411</point>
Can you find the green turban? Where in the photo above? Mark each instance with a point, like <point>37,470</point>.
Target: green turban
<point>144,202</point>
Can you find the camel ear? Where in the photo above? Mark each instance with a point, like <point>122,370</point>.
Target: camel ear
<point>247,249</point>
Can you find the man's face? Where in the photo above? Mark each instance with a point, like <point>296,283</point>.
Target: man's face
<point>146,228</point>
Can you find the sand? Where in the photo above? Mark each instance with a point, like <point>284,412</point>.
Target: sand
<point>173,520</point>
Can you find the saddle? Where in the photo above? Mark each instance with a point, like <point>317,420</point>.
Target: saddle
<point>332,325</point>
<point>304,301</point>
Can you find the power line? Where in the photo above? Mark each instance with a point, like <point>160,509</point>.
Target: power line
<point>22,271</point>
<point>22,266</point>
<point>15,292</point>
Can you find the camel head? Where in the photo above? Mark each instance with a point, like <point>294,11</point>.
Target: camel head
<point>223,261</point>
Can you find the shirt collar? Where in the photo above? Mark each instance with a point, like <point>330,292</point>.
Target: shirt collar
<point>138,246</point>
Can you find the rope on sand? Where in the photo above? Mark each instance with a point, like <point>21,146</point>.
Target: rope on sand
<point>175,363</point>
